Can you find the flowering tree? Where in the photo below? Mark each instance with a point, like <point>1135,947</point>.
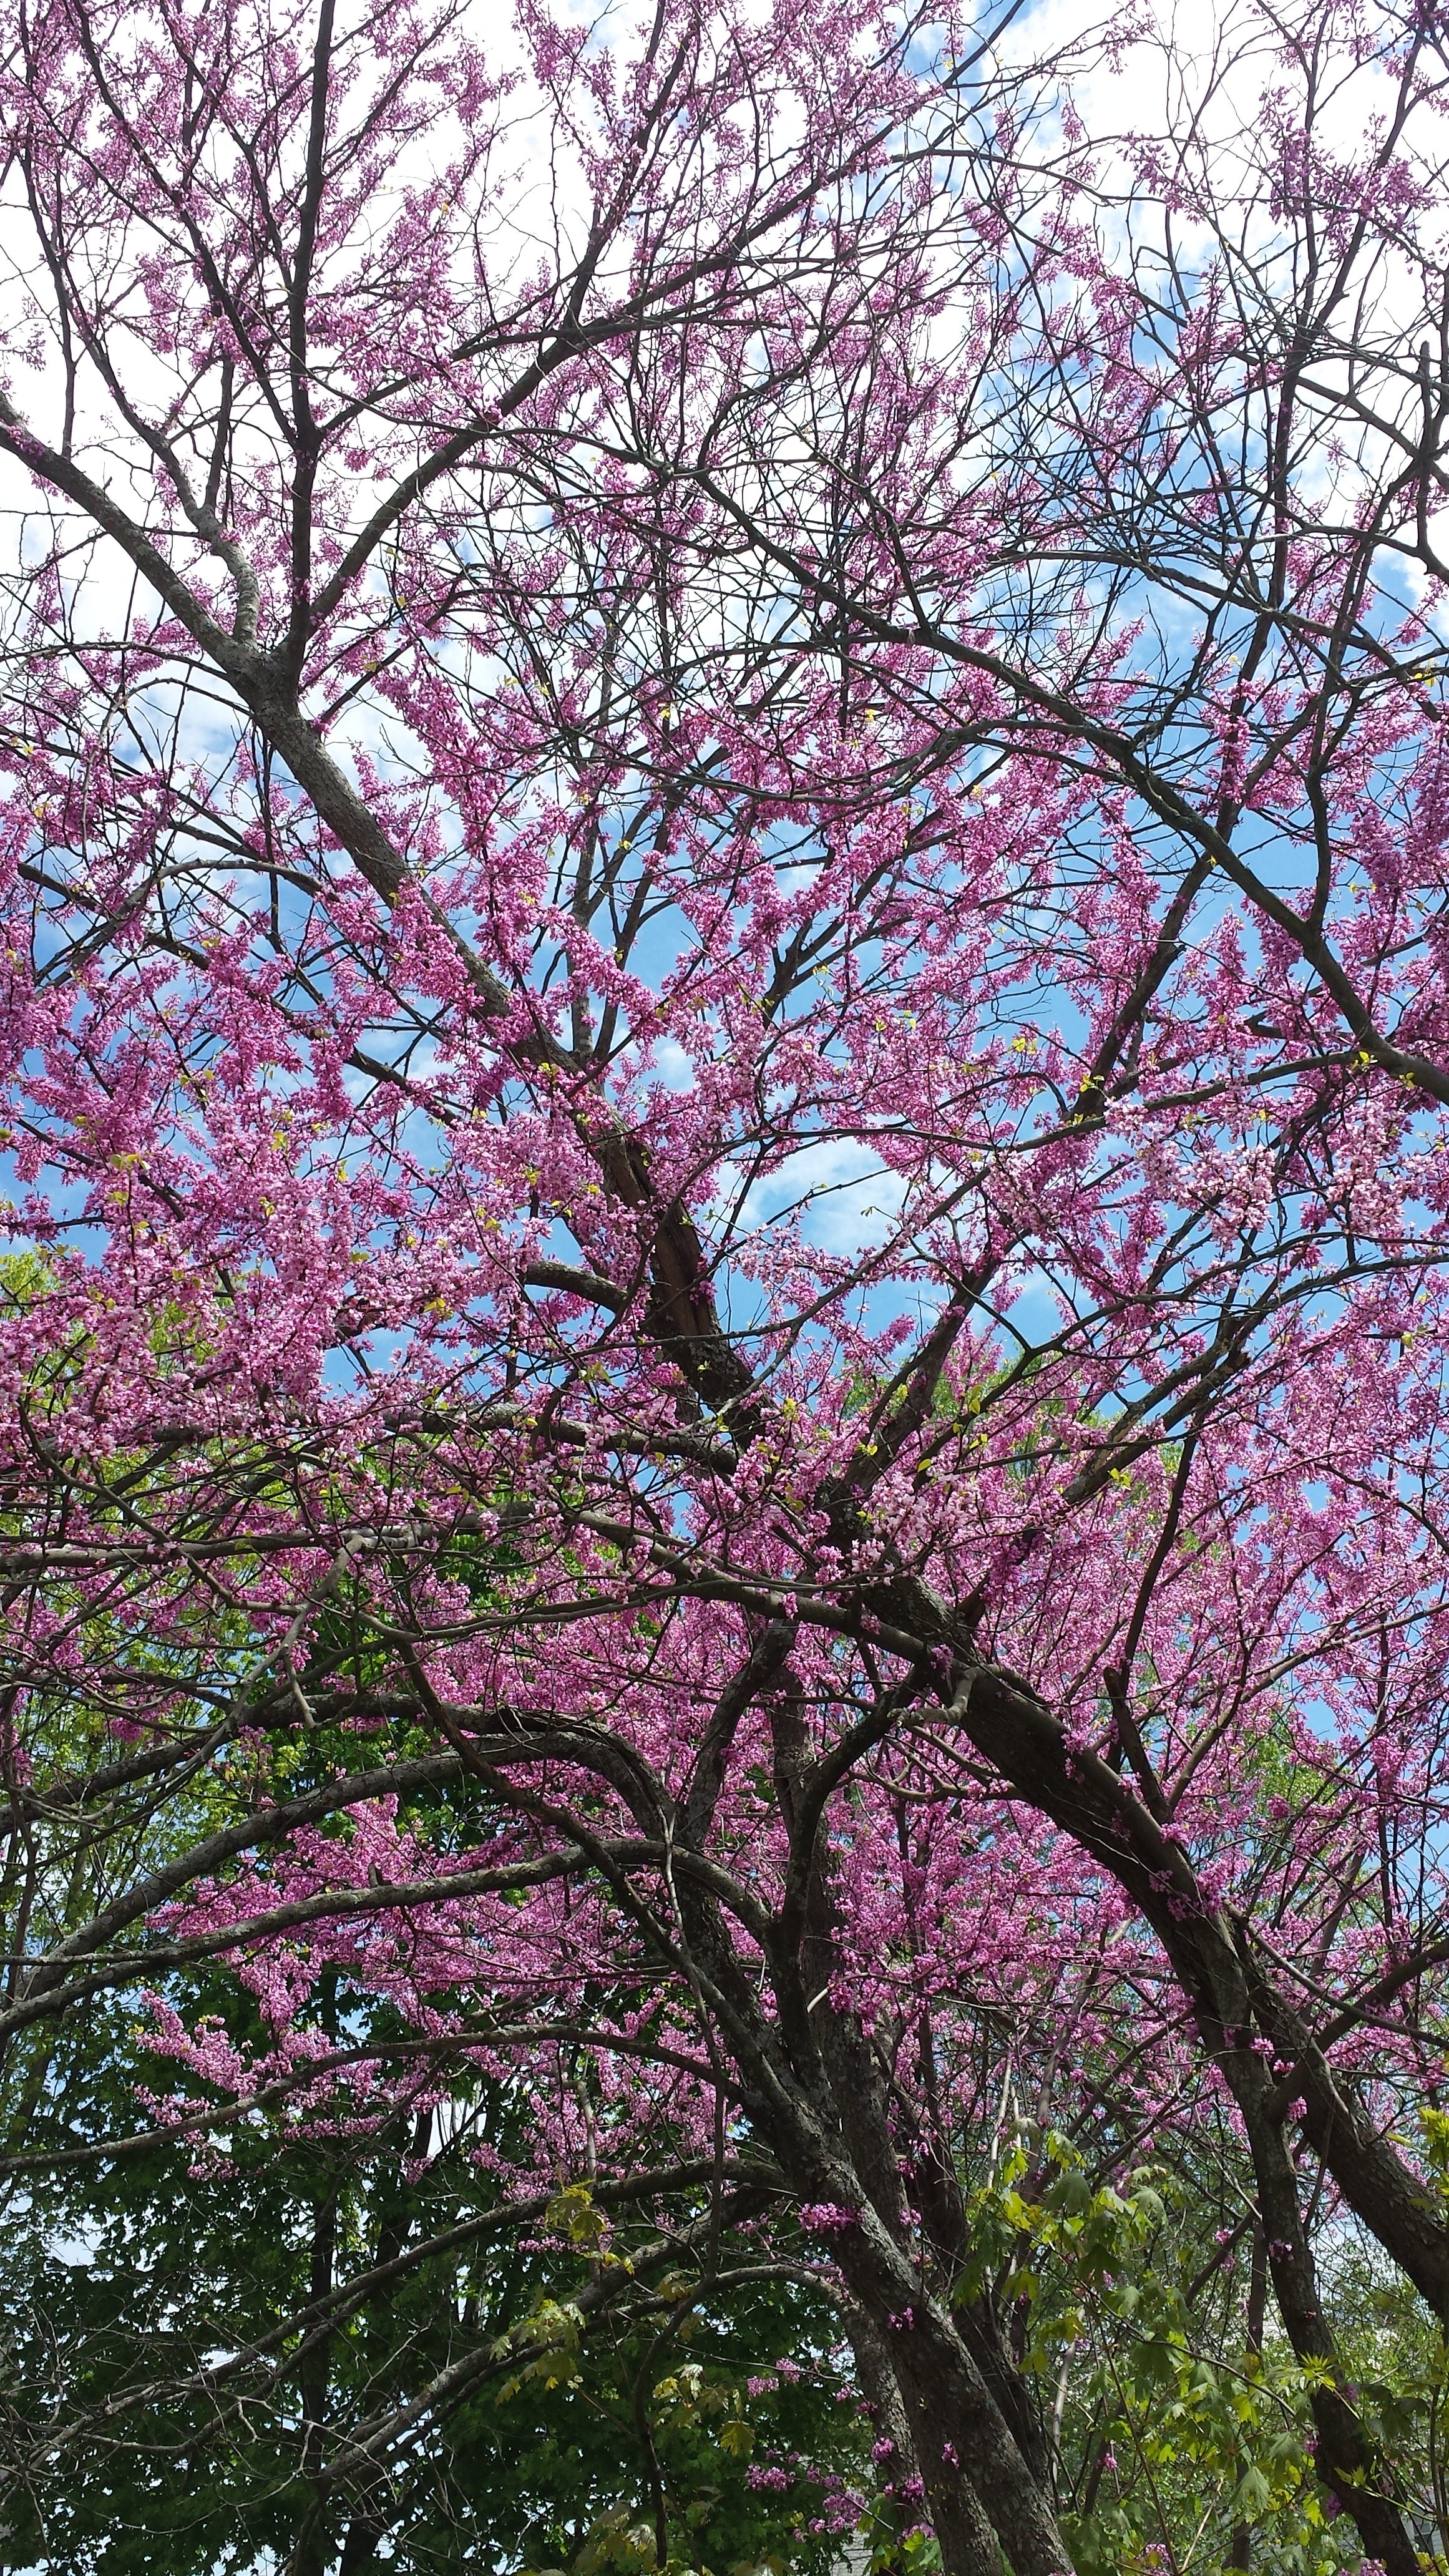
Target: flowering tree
<point>726,1060</point>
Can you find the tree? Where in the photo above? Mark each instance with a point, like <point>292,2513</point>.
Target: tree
<point>204,2318</point>
<point>609,652</point>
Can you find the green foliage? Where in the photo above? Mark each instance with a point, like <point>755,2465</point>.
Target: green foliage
<point>126,2282</point>
<point>1175,2434</point>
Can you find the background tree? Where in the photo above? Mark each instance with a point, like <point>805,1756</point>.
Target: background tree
<point>726,1064</point>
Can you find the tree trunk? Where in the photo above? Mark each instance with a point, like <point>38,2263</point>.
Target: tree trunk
<point>973,2476</point>
<point>310,2553</point>
<point>962,2529</point>
<point>1240,2553</point>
